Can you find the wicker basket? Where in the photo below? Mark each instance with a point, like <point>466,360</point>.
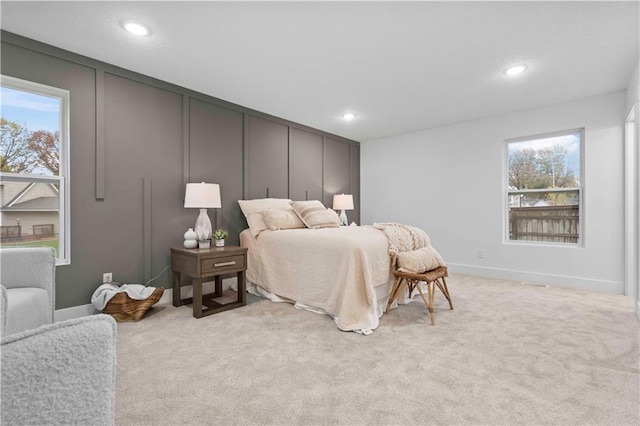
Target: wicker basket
<point>124,309</point>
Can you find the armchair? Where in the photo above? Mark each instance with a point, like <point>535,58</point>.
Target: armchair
<point>27,278</point>
<point>60,374</point>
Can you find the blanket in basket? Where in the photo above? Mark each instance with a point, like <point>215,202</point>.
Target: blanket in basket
<point>105,292</point>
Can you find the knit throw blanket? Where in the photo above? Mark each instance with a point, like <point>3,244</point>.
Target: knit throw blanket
<point>411,247</point>
<point>403,237</point>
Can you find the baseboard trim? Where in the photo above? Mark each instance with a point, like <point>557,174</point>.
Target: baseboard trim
<point>578,283</point>
<point>167,297</point>
<point>74,312</point>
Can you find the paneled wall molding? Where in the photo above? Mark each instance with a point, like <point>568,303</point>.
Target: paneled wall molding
<point>354,160</point>
<point>245,155</point>
<point>86,61</point>
<point>268,158</point>
<point>336,169</point>
<point>135,143</point>
<point>186,173</point>
<point>100,136</point>
<point>146,228</point>
<point>216,155</point>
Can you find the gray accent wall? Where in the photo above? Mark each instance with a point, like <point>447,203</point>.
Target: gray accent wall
<point>135,143</point>
<point>337,175</point>
<point>267,158</point>
<point>305,177</point>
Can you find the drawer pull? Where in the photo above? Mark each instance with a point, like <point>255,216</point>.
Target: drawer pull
<point>218,265</point>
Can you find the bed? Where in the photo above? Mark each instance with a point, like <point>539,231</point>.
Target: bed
<point>343,272</point>
<point>298,252</point>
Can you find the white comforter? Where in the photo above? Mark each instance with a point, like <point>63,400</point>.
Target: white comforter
<point>343,271</point>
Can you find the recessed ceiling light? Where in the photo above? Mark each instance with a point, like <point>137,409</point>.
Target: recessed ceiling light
<point>515,70</point>
<point>349,116</point>
<point>135,28</point>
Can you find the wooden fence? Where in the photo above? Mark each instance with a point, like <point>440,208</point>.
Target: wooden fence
<point>557,224</point>
<point>15,234</point>
<point>10,232</point>
<point>43,230</point>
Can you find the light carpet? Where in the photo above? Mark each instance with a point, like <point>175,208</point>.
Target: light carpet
<point>508,354</point>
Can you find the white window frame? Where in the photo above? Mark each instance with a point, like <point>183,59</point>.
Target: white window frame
<point>64,213</point>
<point>507,192</point>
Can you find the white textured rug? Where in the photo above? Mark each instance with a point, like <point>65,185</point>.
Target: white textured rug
<point>508,354</point>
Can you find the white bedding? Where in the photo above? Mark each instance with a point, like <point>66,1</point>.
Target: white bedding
<point>343,272</point>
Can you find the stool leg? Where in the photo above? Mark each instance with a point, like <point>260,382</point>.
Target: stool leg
<point>410,287</point>
<point>431,289</point>
<point>428,304</point>
<point>445,290</point>
<point>398,284</point>
<point>394,287</point>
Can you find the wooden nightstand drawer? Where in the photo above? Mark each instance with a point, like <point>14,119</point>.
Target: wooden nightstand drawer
<point>218,264</point>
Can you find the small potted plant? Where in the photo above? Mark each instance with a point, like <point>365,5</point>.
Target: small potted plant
<point>219,235</point>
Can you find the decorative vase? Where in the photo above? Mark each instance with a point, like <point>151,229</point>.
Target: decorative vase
<point>220,243</point>
<point>203,226</point>
<point>190,240</point>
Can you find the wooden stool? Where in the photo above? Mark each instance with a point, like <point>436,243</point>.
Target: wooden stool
<point>412,281</point>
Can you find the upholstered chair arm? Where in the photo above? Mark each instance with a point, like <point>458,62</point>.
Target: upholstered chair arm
<point>60,374</point>
<point>29,267</point>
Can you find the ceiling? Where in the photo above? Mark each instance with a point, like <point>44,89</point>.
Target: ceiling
<point>399,66</point>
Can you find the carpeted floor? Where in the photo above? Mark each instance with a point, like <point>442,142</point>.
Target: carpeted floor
<point>508,354</point>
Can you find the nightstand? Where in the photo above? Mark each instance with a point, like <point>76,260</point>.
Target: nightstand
<point>202,265</point>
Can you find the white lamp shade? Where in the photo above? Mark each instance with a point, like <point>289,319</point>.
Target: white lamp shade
<point>202,196</point>
<point>343,202</point>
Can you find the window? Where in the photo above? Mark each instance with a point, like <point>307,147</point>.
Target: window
<point>34,166</point>
<point>544,192</point>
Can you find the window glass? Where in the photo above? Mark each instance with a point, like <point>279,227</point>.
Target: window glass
<point>33,148</point>
<point>544,188</point>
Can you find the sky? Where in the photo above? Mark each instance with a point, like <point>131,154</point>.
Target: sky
<point>38,112</point>
<point>569,142</point>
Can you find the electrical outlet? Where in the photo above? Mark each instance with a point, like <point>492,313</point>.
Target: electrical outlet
<point>480,254</point>
<point>107,277</point>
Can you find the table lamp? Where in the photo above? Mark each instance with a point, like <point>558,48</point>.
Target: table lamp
<point>202,196</point>
<point>343,202</point>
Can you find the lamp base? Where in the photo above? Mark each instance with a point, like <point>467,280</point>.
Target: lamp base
<point>203,226</point>
<point>205,244</point>
<point>343,218</point>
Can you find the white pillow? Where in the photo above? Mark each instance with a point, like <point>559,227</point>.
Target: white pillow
<point>315,215</point>
<point>281,219</point>
<point>418,261</point>
<point>256,223</point>
<point>256,206</point>
<point>252,210</point>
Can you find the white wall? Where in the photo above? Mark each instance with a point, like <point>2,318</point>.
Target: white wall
<point>449,181</point>
<point>633,88</point>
